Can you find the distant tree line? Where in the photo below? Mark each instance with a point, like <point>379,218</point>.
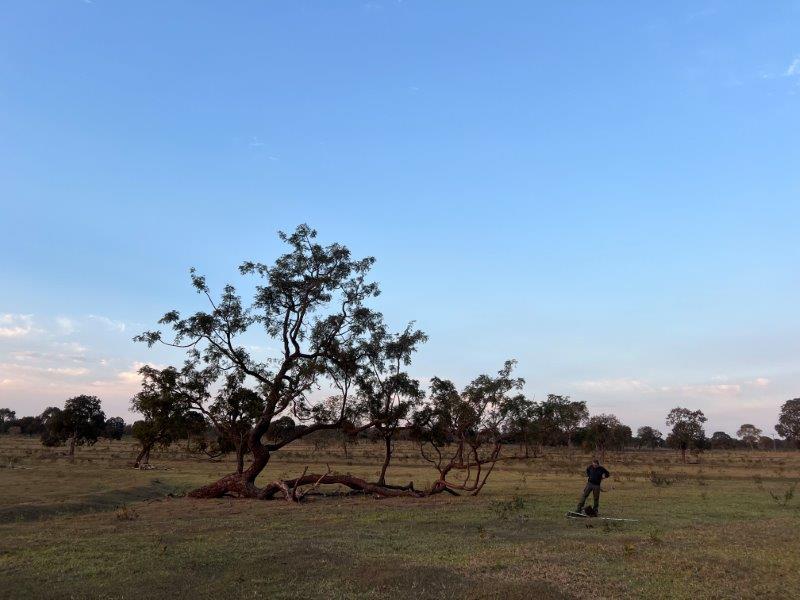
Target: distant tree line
<point>80,422</point>
<point>222,425</point>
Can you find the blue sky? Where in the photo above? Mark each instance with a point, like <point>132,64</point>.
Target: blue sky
<point>607,192</point>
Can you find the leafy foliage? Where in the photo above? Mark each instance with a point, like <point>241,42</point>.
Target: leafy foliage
<point>789,421</point>
<point>687,429</point>
<point>82,420</point>
<point>466,431</point>
<point>749,434</point>
<point>649,437</point>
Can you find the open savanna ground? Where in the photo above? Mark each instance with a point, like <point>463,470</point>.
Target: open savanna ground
<point>724,527</point>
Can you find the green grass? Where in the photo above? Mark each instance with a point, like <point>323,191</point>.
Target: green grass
<point>97,529</point>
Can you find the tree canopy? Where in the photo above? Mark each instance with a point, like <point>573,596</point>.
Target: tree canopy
<point>788,426</point>
<point>687,429</point>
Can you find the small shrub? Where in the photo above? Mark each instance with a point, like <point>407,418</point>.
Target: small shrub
<point>505,509</point>
<point>124,513</point>
<point>660,480</point>
<point>655,537</point>
<point>609,526</point>
<point>783,499</point>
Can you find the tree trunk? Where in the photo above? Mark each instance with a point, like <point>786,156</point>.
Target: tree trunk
<point>683,453</point>
<point>240,484</point>
<point>243,484</point>
<point>144,456</point>
<point>240,457</point>
<point>354,483</point>
<point>72,447</point>
<point>386,460</point>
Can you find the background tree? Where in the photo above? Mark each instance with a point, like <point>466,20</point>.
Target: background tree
<point>606,431</point>
<point>194,427</point>
<point>30,425</point>
<point>163,407</point>
<point>766,443</point>
<point>520,423</point>
<point>559,418</point>
<point>114,428</point>
<point>649,437</point>
<point>462,434</point>
<point>386,392</point>
<point>343,372</point>
<point>51,423</point>
<point>788,426</point>
<point>233,413</point>
<point>722,441</point>
<point>6,417</point>
<point>82,421</point>
<point>687,429</point>
<point>749,434</point>
<point>310,305</point>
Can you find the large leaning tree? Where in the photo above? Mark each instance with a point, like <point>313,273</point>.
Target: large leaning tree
<point>311,304</point>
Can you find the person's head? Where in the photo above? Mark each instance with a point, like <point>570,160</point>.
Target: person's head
<point>595,462</point>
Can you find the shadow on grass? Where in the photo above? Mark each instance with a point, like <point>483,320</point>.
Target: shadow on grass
<point>443,582</point>
<point>89,503</point>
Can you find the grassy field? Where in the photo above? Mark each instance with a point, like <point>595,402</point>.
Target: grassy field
<point>96,528</point>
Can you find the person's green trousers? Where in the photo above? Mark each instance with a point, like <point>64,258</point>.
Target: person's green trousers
<point>589,489</point>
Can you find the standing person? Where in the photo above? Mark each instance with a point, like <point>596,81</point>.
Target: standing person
<point>595,473</point>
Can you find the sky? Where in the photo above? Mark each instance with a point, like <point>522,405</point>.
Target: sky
<point>607,192</point>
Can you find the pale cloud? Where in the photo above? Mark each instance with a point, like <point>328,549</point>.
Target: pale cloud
<point>704,390</point>
<point>71,347</point>
<point>70,372</point>
<point>110,324</point>
<point>720,386</point>
<point>609,386</point>
<point>132,374</point>
<point>15,325</point>
<point>793,68</point>
<point>65,325</point>
<point>36,371</point>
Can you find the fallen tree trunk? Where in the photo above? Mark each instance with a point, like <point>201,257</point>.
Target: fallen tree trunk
<point>236,485</point>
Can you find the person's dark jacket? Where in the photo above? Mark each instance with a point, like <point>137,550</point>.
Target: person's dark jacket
<point>596,474</point>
